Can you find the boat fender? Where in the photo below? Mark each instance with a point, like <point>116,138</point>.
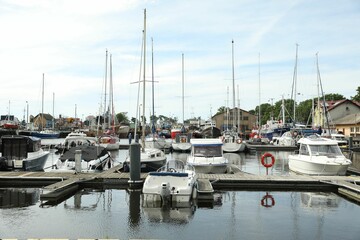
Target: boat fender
<point>265,163</point>
<point>265,201</point>
<point>239,141</point>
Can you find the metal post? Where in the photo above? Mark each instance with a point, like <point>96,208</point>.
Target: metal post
<point>78,161</point>
<point>135,166</point>
<point>350,143</point>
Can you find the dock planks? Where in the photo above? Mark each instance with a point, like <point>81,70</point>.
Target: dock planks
<point>58,184</point>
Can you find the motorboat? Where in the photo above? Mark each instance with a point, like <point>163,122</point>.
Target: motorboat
<point>318,156</point>
<point>23,153</point>
<point>155,141</point>
<point>181,142</point>
<point>232,142</point>
<point>207,155</point>
<point>75,139</point>
<point>174,182</point>
<point>92,158</point>
<point>151,159</point>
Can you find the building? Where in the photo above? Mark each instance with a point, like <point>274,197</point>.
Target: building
<point>349,125</point>
<point>235,117</point>
<point>43,121</point>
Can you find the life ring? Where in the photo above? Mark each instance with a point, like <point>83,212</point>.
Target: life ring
<point>239,141</point>
<point>265,201</point>
<point>265,164</point>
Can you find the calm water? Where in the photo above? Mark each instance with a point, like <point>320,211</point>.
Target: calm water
<point>119,213</point>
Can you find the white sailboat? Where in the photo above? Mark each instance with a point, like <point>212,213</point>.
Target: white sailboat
<point>181,142</point>
<point>108,139</point>
<point>230,137</point>
<point>150,158</point>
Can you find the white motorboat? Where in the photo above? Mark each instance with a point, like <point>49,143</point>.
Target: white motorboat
<point>151,159</point>
<point>232,142</point>
<point>154,141</point>
<point>76,139</point>
<point>181,142</point>
<point>318,156</point>
<point>207,155</point>
<point>93,158</point>
<point>22,153</point>
<point>174,182</point>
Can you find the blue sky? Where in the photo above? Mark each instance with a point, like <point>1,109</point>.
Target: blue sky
<point>67,40</point>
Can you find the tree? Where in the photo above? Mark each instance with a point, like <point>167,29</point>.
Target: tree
<point>357,96</point>
<point>221,109</point>
<point>122,118</point>
<point>334,97</point>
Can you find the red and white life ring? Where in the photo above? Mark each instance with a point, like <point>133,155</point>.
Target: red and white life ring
<point>265,163</point>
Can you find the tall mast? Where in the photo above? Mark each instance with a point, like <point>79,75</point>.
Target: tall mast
<point>233,84</point>
<point>53,111</point>
<point>106,60</point>
<point>42,104</point>
<point>143,117</point>
<point>183,89</point>
<point>111,99</point>
<point>152,81</point>
<point>259,121</point>
<point>295,82</point>
<point>322,92</point>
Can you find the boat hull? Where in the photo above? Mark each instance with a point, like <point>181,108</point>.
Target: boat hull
<point>34,162</point>
<point>234,147</point>
<point>327,167</point>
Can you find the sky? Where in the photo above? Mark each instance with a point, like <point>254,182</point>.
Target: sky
<point>66,42</point>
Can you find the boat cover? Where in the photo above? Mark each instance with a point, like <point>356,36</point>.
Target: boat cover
<point>88,153</point>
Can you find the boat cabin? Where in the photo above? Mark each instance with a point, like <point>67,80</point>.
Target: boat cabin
<point>319,147</point>
<point>206,147</point>
<point>18,146</point>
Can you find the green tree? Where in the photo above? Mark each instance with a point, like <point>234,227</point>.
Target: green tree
<point>221,109</point>
<point>357,96</point>
<point>122,118</point>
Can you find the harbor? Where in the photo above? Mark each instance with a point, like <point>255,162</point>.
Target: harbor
<point>60,196</point>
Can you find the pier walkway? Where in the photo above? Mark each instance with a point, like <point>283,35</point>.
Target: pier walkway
<point>60,184</point>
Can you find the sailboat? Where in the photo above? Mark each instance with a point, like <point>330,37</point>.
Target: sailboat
<point>154,140</point>
<point>108,139</point>
<point>181,141</point>
<point>45,133</point>
<point>150,158</point>
<point>230,137</point>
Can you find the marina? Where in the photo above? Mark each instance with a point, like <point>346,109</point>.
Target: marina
<point>61,195</point>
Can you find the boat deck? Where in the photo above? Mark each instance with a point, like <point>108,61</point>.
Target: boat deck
<point>59,184</point>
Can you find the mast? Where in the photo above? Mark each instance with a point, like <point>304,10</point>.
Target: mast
<point>239,110</point>
<point>233,85</point>
<point>143,117</point>
<point>259,121</point>
<point>295,82</point>
<point>106,60</point>
<point>53,111</point>
<point>152,81</point>
<point>42,104</point>
<point>322,92</point>
<point>111,99</point>
<point>183,89</point>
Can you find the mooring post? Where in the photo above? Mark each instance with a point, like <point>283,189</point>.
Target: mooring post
<point>78,161</point>
<point>350,143</point>
<point>135,166</point>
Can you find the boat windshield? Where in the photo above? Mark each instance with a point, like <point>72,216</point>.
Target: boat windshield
<point>325,150</point>
<point>208,151</point>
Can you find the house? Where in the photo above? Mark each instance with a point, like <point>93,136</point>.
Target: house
<point>235,116</point>
<point>349,125</point>
<point>336,110</point>
<point>43,121</point>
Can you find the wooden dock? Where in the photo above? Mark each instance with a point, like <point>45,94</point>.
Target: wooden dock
<point>57,185</point>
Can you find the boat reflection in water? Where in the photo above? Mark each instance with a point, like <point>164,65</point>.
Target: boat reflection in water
<point>18,197</point>
<point>176,212</point>
<point>320,200</point>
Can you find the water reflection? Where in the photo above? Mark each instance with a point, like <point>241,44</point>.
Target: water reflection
<point>18,197</point>
<point>319,200</point>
